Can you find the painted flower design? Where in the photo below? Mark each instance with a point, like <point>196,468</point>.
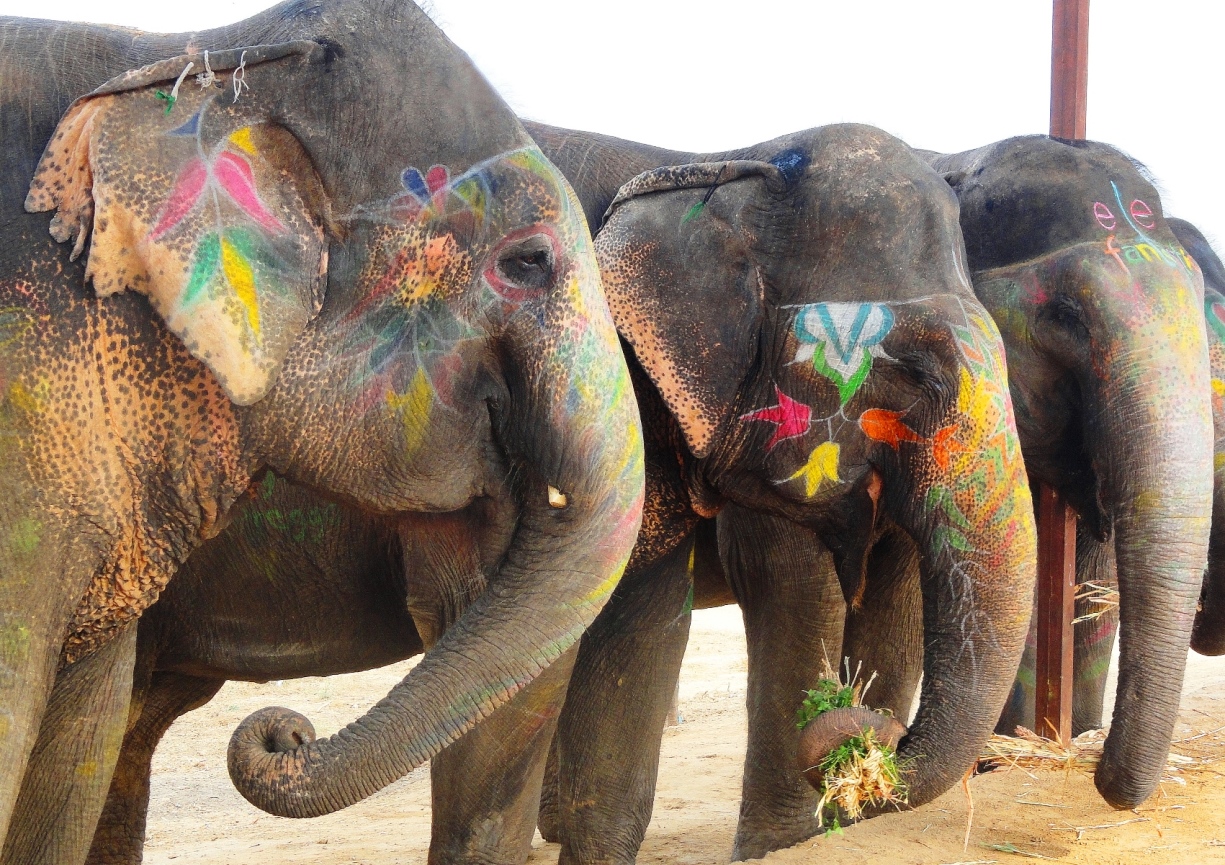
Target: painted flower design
<point>887,426</point>
<point>433,193</point>
<point>790,418</point>
<point>822,466</point>
<point>232,257</point>
<point>841,339</point>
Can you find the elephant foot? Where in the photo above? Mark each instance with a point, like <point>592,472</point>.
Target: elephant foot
<point>757,842</point>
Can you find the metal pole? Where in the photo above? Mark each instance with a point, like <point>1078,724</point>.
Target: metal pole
<point>1056,606</point>
<point>1070,68</point>
<point>1056,589</point>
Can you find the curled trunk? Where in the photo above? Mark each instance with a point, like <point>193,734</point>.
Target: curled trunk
<point>973,525</point>
<point>822,735</point>
<point>579,479</point>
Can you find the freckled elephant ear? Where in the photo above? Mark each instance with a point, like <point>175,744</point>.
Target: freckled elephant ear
<point>675,226</point>
<point>197,201</point>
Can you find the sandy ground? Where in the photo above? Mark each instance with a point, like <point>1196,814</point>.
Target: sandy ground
<point>196,816</point>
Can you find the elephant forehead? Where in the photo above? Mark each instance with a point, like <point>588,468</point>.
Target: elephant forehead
<point>482,203</point>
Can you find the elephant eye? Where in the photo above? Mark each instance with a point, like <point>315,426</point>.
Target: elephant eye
<point>528,263</point>
<point>921,368</point>
<point>1066,313</point>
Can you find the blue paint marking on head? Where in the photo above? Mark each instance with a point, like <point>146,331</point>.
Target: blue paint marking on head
<point>415,183</point>
<point>191,127</point>
<point>790,163</point>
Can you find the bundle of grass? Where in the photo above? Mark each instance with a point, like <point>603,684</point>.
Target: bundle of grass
<point>847,751</point>
<point>1030,752</point>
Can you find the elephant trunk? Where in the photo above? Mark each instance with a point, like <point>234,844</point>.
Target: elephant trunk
<point>974,527</point>
<point>975,622</point>
<point>575,427</point>
<point>1155,462</point>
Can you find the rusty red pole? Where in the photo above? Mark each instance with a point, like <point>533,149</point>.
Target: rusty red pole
<point>1069,68</point>
<point>1056,589</point>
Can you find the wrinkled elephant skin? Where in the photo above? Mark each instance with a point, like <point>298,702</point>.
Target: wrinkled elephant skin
<point>1100,310</point>
<point>399,307</point>
<point>789,379</point>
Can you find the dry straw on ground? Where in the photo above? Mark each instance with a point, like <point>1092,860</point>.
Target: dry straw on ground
<point>1030,752</point>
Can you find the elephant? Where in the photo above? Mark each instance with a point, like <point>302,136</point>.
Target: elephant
<point>1208,633</point>
<point>599,789</point>
<point>1099,309</point>
<point>1094,642</point>
<point>333,253</point>
<point>809,358</point>
<point>299,585</point>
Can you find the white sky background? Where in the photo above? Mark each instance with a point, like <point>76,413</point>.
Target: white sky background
<point>941,74</point>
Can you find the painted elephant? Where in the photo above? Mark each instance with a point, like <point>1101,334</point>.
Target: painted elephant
<point>1208,634</point>
<point>299,586</point>
<point>808,355</point>
<point>1099,308</point>
<point>399,306</point>
<point>641,638</point>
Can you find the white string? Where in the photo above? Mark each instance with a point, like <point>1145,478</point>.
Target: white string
<point>174,93</point>
<point>207,78</point>
<point>240,76</point>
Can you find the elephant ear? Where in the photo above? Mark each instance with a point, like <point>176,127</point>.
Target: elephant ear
<point>682,285</point>
<point>188,195</point>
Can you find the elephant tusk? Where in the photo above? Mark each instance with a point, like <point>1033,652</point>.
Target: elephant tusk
<point>557,499</point>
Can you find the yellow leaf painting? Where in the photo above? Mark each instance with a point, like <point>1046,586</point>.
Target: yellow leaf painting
<point>416,405</point>
<point>242,279</point>
<point>822,465</point>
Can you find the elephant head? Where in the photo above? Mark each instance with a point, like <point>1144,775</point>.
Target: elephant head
<point>397,297</point>
<point>1100,310</point>
<point>1208,634</point>
<point>805,313</point>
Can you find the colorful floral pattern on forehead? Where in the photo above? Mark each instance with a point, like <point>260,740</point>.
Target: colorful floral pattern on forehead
<point>424,300</point>
<point>841,339</point>
<point>434,194</point>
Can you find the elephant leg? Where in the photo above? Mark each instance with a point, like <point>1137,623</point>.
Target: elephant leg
<point>486,786</point>
<point>884,634</point>
<point>1093,644</point>
<point>69,770</point>
<point>120,835</point>
<point>793,617</point>
<point>1093,641</point>
<point>611,728</point>
<point>546,819</point>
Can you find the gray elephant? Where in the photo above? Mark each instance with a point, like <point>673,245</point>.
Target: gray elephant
<point>937,358</point>
<point>1208,634</point>
<point>809,357</point>
<point>1095,635</point>
<point>397,306</point>
<point>302,586</point>
<point>1099,308</point>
